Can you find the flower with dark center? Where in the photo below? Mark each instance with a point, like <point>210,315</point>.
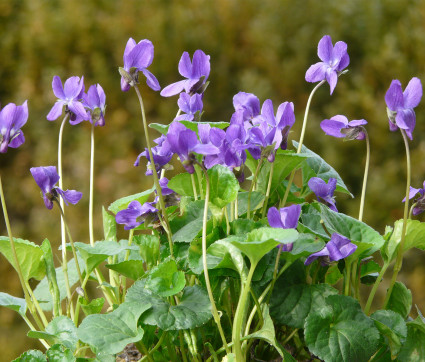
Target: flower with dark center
<point>136,214</point>
<point>338,126</point>
<point>285,218</point>
<point>324,191</point>
<point>95,102</point>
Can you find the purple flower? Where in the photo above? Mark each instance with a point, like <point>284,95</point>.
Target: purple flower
<point>161,153</point>
<point>46,178</point>
<point>400,105</point>
<point>247,106</point>
<point>419,201</point>
<point>70,96</point>
<point>170,197</point>
<point>12,118</point>
<point>135,214</point>
<point>137,57</point>
<point>338,126</point>
<point>324,191</point>
<point>285,218</point>
<point>189,105</point>
<point>195,72</point>
<point>95,101</point>
<point>339,247</point>
<point>333,60</point>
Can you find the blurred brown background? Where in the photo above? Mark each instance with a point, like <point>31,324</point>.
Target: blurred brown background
<point>263,47</point>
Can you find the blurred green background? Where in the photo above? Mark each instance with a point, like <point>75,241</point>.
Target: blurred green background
<point>263,47</point>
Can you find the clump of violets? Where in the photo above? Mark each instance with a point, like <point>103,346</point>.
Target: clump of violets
<point>95,103</point>
<point>136,214</point>
<point>46,178</point>
<point>70,96</point>
<point>400,105</point>
<point>337,248</point>
<point>285,218</point>
<point>334,59</point>
<point>196,73</point>
<point>12,119</point>
<point>338,126</point>
<point>137,57</point>
<point>419,202</point>
<point>324,191</point>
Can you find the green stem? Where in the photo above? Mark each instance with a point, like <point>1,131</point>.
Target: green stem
<point>61,202</point>
<point>42,341</point>
<point>269,186</point>
<point>155,348</point>
<point>77,307</point>
<point>347,278</point>
<point>182,349</point>
<point>239,315</point>
<point>154,173</point>
<point>254,180</point>
<point>204,260</point>
<point>37,306</point>
<point>276,265</point>
<point>400,251</point>
<point>375,288</point>
<point>91,186</point>
<point>127,255</point>
<point>195,194</point>
<point>300,142</point>
<point>411,210</point>
<point>366,172</point>
<point>290,336</point>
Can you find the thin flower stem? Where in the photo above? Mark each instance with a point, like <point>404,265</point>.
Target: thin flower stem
<point>91,186</point>
<point>154,173</point>
<point>77,307</point>
<point>400,251</point>
<point>289,337</point>
<point>254,180</point>
<point>269,186</point>
<point>195,194</point>
<point>276,265</point>
<point>300,142</point>
<point>37,306</point>
<point>366,172</point>
<point>347,278</point>
<point>375,288</point>
<point>155,348</point>
<point>226,216</point>
<point>411,210</point>
<point>204,261</point>
<point>127,255</point>
<point>42,341</point>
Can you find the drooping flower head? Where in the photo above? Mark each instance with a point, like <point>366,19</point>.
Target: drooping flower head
<point>419,201</point>
<point>285,218</point>
<point>334,59</point>
<point>338,126</point>
<point>339,247</point>
<point>70,96</point>
<point>196,73</point>
<point>12,118</point>
<point>95,102</point>
<point>400,105</point>
<point>189,105</point>
<point>136,214</point>
<point>324,191</point>
<point>46,178</point>
<point>137,57</point>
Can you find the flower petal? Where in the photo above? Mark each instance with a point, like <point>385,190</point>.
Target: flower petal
<point>56,111</point>
<point>338,52</point>
<point>173,89</point>
<point>71,196</point>
<point>273,217</point>
<point>324,49</point>
<point>413,93</point>
<point>200,65</point>
<point>151,80</point>
<point>333,126</point>
<point>73,87</point>
<point>185,65</point>
<point>140,56</point>
<point>394,96</point>
<point>331,78</point>
<point>45,177</point>
<point>58,88</point>
<point>316,72</point>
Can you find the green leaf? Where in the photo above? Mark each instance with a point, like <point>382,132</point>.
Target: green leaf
<point>31,356</point>
<point>193,311</point>
<point>109,226</point>
<point>93,307</point>
<point>60,330</point>
<point>291,304</point>
<point>316,166</point>
<point>260,241</point>
<point>51,276</point>
<point>267,334</point>
<point>165,280</point>
<point>58,353</point>
<point>122,203</point>
<point>391,325</point>
<point>182,184</point>
<point>163,128</point>
<point>132,269</point>
<point>284,164</point>
<point>333,275</point>
<point>110,333</point>
<point>340,331</point>
<point>400,300</point>
<point>413,349</point>
<point>148,248</point>
<point>17,304</point>
<point>256,201</point>
<point>30,257</point>
<point>415,238</point>
<point>224,186</point>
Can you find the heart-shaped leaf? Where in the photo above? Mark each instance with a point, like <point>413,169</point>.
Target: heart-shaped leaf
<point>224,186</point>
<point>17,304</point>
<point>165,280</point>
<point>400,300</point>
<point>132,269</point>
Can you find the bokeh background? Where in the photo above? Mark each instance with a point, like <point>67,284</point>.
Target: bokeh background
<point>263,47</point>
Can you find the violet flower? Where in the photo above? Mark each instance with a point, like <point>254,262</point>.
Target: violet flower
<point>333,60</point>
<point>419,202</point>
<point>12,118</point>
<point>339,247</point>
<point>247,106</point>
<point>46,178</point>
<point>137,57</point>
<point>285,218</point>
<point>95,101</point>
<point>400,105</point>
<point>161,153</point>
<point>195,72</point>
<point>189,105</point>
<point>70,96</point>
<point>135,214</point>
<point>323,191</point>
<point>170,197</point>
<point>338,126</point>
